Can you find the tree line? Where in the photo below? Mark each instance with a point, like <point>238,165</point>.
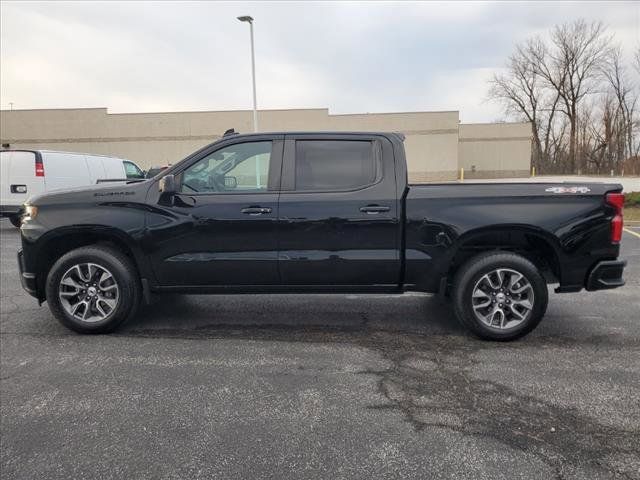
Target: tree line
<point>580,95</point>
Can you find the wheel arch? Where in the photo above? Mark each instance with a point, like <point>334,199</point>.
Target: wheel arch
<point>535,244</point>
<point>55,243</point>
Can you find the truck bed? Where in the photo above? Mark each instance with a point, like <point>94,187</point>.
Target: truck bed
<point>569,220</point>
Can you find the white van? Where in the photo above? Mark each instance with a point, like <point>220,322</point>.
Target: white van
<point>25,173</point>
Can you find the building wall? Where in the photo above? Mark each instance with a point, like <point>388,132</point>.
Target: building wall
<point>430,143</point>
<point>432,138</point>
<point>495,150</point>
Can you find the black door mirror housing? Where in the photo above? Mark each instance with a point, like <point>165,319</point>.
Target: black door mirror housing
<point>168,184</point>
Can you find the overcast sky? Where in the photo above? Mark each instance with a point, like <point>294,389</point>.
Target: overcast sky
<point>348,57</point>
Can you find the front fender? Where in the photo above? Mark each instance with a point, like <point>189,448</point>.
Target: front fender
<point>50,234</point>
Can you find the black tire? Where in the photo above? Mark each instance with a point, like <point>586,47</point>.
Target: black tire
<point>15,220</point>
<point>124,274</point>
<point>474,270</point>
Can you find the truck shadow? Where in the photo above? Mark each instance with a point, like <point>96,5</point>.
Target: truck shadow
<point>321,317</point>
<point>193,315</point>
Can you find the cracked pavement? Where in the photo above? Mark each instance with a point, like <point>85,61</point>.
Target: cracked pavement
<point>320,386</point>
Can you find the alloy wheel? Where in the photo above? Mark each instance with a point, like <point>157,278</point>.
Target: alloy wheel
<point>502,298</point>
<point>88,292</point>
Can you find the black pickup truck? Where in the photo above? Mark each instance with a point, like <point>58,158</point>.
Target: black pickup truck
<point>318,212</point>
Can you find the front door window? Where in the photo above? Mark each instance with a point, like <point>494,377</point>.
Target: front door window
<point>243,167</point>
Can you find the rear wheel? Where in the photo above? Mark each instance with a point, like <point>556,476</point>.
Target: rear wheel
<point>93,289</point>
<point>499,296</point>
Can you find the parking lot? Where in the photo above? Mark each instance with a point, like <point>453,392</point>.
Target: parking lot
<point>351,386</point>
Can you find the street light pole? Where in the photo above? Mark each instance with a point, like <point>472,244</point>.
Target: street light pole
<point>249,20</point>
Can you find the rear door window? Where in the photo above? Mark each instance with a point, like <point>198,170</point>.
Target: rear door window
<point>335,165</point>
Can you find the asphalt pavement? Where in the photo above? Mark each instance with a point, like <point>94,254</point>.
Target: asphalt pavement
<point>320,386</point>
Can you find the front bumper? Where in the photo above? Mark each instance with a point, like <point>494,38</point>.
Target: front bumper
<point>10,210</point>
<point>27,279</point>
<point>606,274</point>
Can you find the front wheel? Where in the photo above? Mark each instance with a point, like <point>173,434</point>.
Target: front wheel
<point>499,296</point>
<point>15,220</point>
<point>93,289</point>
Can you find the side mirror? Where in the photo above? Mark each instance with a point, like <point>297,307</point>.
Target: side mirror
<point>230,182</point>
<point>168,184</point>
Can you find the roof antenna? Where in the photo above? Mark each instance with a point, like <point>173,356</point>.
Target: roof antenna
<point>231,131</point>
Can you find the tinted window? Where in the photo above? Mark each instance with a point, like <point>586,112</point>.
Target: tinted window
<point>334,164</point>
<point>243,167</point>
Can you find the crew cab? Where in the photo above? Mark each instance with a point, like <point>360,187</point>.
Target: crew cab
<point>318,212</point>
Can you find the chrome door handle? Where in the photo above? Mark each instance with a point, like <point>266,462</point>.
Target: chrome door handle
<point>255,210</point>
<point>374,209</point>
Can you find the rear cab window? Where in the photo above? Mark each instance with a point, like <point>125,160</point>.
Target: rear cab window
<point>336,165</point>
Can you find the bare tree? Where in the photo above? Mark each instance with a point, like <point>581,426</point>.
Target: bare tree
<point>521,91</point>
<point>559,153</point>
<point>579,96</point>
<point>626,100</point>
<point>571,64</point>
<point>597,134</point>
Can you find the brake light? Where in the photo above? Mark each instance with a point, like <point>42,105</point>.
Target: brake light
<point>39,168</point>
<point>616,200</point>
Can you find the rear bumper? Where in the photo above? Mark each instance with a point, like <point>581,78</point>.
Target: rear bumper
<point>605,275</point>
<point>28,280</point>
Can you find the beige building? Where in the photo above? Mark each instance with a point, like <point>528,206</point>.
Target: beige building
<point>437,144</point>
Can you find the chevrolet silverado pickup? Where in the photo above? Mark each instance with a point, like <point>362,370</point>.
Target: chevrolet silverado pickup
<point>318,212</point>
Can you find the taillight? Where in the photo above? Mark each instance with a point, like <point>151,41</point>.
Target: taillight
<point>39,168</point>
<point>616,200</point>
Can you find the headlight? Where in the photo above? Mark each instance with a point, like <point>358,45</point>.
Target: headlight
<point>31,211</point>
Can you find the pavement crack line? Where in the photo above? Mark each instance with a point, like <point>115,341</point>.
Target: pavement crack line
<point>429,381</point>
<point>445,396</point>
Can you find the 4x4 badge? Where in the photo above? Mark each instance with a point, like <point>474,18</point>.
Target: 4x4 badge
<point>568,189</point>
